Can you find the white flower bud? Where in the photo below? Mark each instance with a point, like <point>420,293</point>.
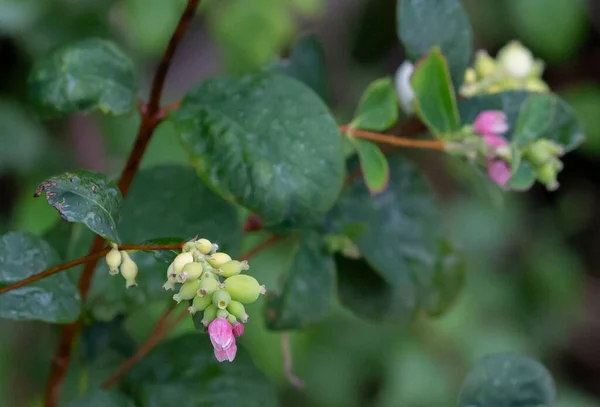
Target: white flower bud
<point>129,270</point>
<point>180,261</point>
<point>204,246</point>
<point>404,89</point>
<point>113,260</point>
<point>516,60</point>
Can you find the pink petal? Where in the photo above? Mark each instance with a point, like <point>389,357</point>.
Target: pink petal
<point>490,122</point>
<point>221,354</point>
<point>499,172</point>
<point>231,351</point>
<point>238,330</point>
<point>221,333</point>
<point>495,141</point>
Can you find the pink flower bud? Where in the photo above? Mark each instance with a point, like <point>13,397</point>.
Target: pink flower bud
<point>226,354</point>
<point>221,334</point>
<point>490,122</point>
<point>238,330</point>
<point>495,141</point>
<point>499,172</point>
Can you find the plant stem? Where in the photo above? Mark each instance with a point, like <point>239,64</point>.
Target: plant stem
<point>150,120</point>
<point>395,141</point>
<point>162,329</point>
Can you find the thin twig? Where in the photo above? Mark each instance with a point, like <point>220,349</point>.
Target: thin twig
<point>393,140</point>
<point>162,329</point>
<point>85,259</point>
<point>150,119</point>
<point>288,364</point>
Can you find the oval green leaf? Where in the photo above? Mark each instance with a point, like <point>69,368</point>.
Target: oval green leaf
<point>91,74</point>
<point>423,24</point>
<point>507,380</point>
<point>435,99</point>
<point>378,107</point>
<point>266,141</point>
<point>374,165</point>
<point>87,197</point>
<point>53,299</point>
<point>307,290</point>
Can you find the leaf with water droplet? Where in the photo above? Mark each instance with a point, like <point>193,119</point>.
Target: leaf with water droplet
<point>52,299</point>
<point>87,197</point>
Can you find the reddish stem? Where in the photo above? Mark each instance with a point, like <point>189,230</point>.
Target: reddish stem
<point>393,140</point>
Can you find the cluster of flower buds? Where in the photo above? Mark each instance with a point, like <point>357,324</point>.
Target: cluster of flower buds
<point>120,260</point>
<point>214,285</point>
<point>484,141</point>
<point>513,69</point>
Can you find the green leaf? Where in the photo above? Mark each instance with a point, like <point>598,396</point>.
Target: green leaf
<point>184,372</point>
<point>537,113</point>
<point>523,178</point>
<point>435,100</point>
<point>164,201</point>
<point>102,398</point>
<point>562,128</point>
<point>307,290</point>
<point>306,64</point>
<point>267,142</point>
<point>448,279</point>
<point>374,165</point>
<point>91,74</point>
<point>423,24</point>
<point>507,380</point>
<point>400,242</point>
<point>165,256</point>
<point>52,299</point>
<point>378,107</point>
<point>87,197</point>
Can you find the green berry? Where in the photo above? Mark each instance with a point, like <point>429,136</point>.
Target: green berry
<point>210,313</point>
<point>218,259</point>
<point>233,267</point>
<point>243,288</point>
<point>221,313</point>
<point>129,270</point>
<point>237,308</point>
<point>113,260</point>
<point>187,291</point>
<point>231,319</point>
<point>207,286</point>
<point>204,246</point>
<point>221,299</point>
<point>485,65</point>
<point>192,271</point>
<point>180,261</point>
<point>199,304</point>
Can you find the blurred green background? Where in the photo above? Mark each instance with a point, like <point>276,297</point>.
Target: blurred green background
<point>532,279</point>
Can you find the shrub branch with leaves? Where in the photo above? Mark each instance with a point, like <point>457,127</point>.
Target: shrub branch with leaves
<point>341,195</point>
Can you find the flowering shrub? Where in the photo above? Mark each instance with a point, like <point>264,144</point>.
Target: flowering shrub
<point>269,156</point>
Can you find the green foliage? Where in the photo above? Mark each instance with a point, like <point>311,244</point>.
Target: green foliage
<point>265,141</point>
<point>307,64</point>
<point>87,197</point>
<point>507,380</point>
<point>378,107</point>
<point>102,398</point>
<point>423,24</point>
<point>373,164</point>
<point>561,125</point>
<point>400,243</point>
<point>183,372</point>
<point>53,299</point>
<point>307,290</point>
<point>448,279</point>
<point>88,75</point>
<point>435,99</point>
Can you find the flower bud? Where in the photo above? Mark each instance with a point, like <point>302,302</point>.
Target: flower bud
<point>187,291</point>
<point>233,267</point>
<point>204,246</point>
<point>237,309</point>
<point>207,286</point>
<point>170,283</point>
<point>470,76</point>
<point>543,151</point>
<point>536,85</point>
<point>113,260</point>
<point>490,122</point>
<point>222,313</point>
<point>516,60</point>
<point>238,330</point>
<point>180,261</point>
<point>210,313</point>
<point>404,89</point>
<point>485,65</point>
<point>232,319</point>
<point>199,304</point>
<point>547,175</point>
<point>129,270</point>
<point>243,288</point>
<point>221,334</point>
<point>218,259</point>
<point>499,172</point>
<point>191,271</point>
<point>208,274</point>
<point>215,248</point>
<point>221,299</point>
<point>188,247</point>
